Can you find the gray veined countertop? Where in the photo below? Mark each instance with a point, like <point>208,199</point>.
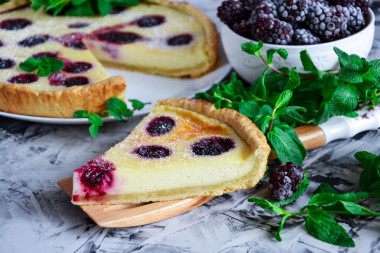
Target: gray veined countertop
<point>37,216</point>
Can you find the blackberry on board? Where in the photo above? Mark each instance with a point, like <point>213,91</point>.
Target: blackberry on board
<point>231,12</point>
<point>284,181</point>
<point>272,31</point>
<point>328,22</point>
<point>305,37</point>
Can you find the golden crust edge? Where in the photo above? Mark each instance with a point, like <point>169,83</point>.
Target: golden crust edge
<point>19,99</point>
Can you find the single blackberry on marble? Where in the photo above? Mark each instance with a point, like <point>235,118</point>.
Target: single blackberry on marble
<point>293,11</point>
<point>305,37</point>
<point>231,12</point>
<point>272,31</point>
<point>284,181</point>
<point>328,22</point>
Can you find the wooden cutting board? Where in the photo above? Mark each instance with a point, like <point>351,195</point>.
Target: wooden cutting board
<point>130,215</point>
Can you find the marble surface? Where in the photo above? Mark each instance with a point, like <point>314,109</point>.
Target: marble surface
<point>37,216</point>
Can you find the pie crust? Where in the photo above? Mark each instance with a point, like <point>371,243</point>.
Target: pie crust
<point>19,99</point>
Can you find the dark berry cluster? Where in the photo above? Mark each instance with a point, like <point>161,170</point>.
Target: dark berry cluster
<point>294,22</point>
<point>284,181</point>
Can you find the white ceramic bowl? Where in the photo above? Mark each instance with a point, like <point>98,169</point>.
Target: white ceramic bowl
<point>250,67</point>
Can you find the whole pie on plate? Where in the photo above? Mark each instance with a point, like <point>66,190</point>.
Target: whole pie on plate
<point>173,39</point>
<point>183,148</point>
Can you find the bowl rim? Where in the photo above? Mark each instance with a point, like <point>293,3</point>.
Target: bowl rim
<point>370,24</point>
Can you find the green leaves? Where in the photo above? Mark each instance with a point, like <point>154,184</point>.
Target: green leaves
<point>45,66</point>
<point>82,7</point>
<point>323,227</point>
<point>308,64</point>
<point>116,107</point>
<point>281,52</point>
<point>369,180</point>
<point>252,48</point>
<point>343,100</point>
<point>263,203</point>
<point>287,150</point>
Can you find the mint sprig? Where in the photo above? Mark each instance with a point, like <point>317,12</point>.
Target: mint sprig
<point>82,7</point>
<point>318,221</point>
<point>116,107</point>
<point>282,98</point>
<point>44,66</point>
<point>369,180</point>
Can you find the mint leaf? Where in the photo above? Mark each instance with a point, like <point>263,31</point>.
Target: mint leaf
<point>327,188</point>
<point>44,66</point>
<point>323,113</point>
<point>362,156</point>
<point>81,114</point>
<point>371,170</point>
<point>104,7</point>
<point>344,58</point>
<point>300,191</point>
<point>294,80</point>
<point>307,63</point>
<point>54,63</point>
<point>350,76</point>
<point>288,109</point>
<point>374,189</point>
<point>263,203</point>
<point>345,208</point>
<point>260,89</point>
<point>287,150</point>
<point>252,48</point>
<point>248,109</point>
<point>118,109</point>
<point>323,227</point>
<point>96,122</point>
<point>283,99</point>
<point>281,52</point>
<point>29,64</point>
<point>136,104</point>
<point>326,199</point>
<point>343,100</point>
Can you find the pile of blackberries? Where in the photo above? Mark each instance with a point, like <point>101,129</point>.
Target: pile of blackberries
<point>294,22</point>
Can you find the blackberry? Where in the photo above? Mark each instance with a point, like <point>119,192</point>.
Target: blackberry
<point>263,9</point>
<point>293,11</point>
<point>284,181</point>
<point>243,28</point>
<point>231,12</point>
<point>356,20</point>
<point>305,37</point>
<point>272,31</point>
<point>249,5</point>
<point>328,22</point>
<point>362,4</point>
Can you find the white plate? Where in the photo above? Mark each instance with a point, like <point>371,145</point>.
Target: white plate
<point>146,88</point>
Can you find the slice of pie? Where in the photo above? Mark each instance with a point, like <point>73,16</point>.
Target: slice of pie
<point>183,148</point>
<point>173,39</point>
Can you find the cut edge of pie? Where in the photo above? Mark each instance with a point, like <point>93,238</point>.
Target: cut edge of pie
<point>241,125</point>
<point>19,99</point>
